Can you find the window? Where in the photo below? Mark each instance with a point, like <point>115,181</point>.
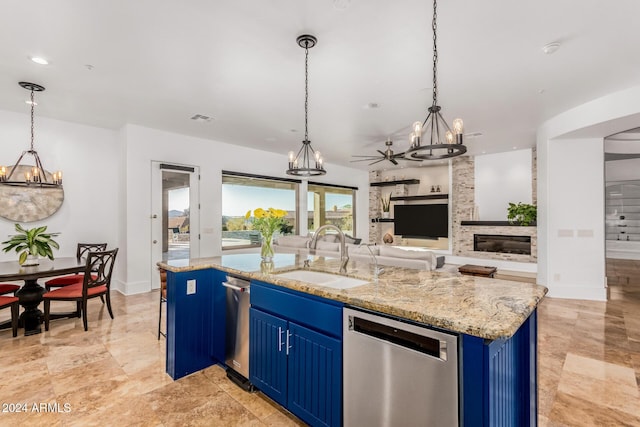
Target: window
<point>244,192</point>
<point>329,204</point>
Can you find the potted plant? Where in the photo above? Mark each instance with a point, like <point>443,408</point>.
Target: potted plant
<point>385,201</point>
<point>522,213</point>
<point>29,243</point>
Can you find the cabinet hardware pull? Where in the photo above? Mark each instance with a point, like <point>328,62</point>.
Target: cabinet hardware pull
<point>289,335</point>
<point>280,331</point>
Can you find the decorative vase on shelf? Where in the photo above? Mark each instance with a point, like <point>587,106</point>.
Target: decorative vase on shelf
<point>385,215</point>
<point>266,250</point>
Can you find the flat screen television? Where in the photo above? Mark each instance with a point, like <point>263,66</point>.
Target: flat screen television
<point>421,221</point>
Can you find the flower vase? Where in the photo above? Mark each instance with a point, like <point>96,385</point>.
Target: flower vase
<point>266,251</point>
<point>385,215</point>
<point>31,260</point>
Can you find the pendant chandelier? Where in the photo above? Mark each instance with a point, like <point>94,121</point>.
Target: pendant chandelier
<point>34,175</point>
<point>307,162</point>
<point>434,126</point>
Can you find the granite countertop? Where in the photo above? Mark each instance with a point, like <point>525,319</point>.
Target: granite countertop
<point>478,306</point>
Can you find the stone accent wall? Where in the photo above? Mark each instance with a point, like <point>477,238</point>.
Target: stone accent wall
<point>462,196</point>
<point>375,210</point>
<point>463,203</point>
<point>534,176</point>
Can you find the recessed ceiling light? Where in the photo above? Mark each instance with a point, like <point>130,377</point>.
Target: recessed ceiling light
<point>293,130</point>
<point>89,67</point>
<point>372,105</point>
<point>515,148</point>
<point>39,60</point>
<point>541,91</point>
<point>484,152</point>
<point>550,48</point>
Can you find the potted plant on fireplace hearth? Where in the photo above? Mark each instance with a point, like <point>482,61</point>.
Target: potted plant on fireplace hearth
<point>522,213</point>
<point>31,243</point>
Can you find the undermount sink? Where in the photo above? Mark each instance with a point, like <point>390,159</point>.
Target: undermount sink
<point>323,279</point>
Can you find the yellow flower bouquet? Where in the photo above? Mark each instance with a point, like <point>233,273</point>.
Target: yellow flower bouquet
<point>267,222</point>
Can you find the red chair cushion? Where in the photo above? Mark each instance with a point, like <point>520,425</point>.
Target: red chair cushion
<point>71,279</point>
<point>74,291</point>
<point>5,301</point>
<point>6,288</point>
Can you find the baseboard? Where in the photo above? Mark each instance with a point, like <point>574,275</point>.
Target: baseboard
<point>577,292</point>
<point>130,288</point>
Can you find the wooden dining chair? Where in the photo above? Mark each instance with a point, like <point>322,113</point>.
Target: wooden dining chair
<point>8,288</point>
<point>163,299</point>
<point>72,279</point>
<point>13,303</point>
<point>96,282</point>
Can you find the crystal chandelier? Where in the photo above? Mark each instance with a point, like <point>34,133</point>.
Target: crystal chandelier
<point>434,126</point>
<point>32,175</point>
<point>301,164</point>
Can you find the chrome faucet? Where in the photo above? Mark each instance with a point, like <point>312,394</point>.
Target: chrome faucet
<point>344,256</point>
<point>376,270</point>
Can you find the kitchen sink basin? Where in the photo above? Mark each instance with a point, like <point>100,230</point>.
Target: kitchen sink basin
<point>323,279</point>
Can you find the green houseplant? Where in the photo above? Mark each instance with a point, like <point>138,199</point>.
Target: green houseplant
<point>522,213</point>
<point>34,241</point>
<point>385,201</point>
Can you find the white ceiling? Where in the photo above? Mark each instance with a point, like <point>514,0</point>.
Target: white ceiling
<point>156,63</point>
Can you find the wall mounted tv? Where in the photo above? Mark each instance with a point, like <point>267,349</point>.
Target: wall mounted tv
<point>421,221</point>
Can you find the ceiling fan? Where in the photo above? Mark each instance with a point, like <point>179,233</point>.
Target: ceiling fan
<point>385,155</point>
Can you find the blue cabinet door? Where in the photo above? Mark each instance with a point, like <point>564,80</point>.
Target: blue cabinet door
<point>314,376</point>
<point>267,353</point>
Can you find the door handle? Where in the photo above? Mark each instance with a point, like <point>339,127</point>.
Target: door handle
<point>289,335</point>
<point>280,331</point>
<point>154,216</point>
<point>155,241</point>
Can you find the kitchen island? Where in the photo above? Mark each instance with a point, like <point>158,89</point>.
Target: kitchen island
<point>495,321</point>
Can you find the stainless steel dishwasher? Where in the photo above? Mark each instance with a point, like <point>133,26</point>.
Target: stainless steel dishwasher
<point>237,331</point>
<point>397,373</point>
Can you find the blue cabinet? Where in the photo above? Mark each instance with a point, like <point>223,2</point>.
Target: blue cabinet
<point>499,385</point>
<point>295,349</point>
<point>195,322</point>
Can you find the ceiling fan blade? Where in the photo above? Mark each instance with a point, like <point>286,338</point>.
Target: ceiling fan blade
<point>378,161</point>
<point>392,160</point>
<point>370,155</point>
<point>409,159</point>
<point>382,152</point>
<point>364,160</point>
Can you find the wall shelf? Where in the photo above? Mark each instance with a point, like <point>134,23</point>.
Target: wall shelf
<point>390,183</point>
<point>425,197</point>
<point>382,220</point>
<point>496,223</point>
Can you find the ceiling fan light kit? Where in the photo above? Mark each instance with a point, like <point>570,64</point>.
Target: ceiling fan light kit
<point>301,164</point>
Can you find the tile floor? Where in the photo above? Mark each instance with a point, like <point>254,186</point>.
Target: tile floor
<point>589,369</point>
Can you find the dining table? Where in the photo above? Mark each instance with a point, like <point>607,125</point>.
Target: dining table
<point>30,294</point>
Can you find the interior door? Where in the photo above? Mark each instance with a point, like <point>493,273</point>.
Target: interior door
<point>175,214</point>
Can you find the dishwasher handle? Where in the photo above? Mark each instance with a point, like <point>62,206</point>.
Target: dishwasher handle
<point>237,284</point>
<point>423,343</point>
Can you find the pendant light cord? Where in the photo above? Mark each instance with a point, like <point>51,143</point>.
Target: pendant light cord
<point>306,90</point>
<point>435,56</point>
<point>32,108</point>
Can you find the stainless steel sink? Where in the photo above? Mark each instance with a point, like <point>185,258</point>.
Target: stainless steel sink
<point>323,279</point>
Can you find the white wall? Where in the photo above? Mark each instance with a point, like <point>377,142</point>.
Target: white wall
<point>88,158</point>
<point>144,145</point>
<point>501,179</point>
<point>570,147</point>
